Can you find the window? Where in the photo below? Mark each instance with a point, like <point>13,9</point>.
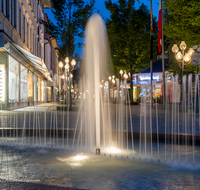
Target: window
<point>7,9</point>
<point>23,84</point>
<point>36,46</point>
<point>24,29</point>
<point>20,12</point>
<point>39,89</point>
<point>35,88</point>
<point>15,15</point>
<point>27,34</point>
<point>33,44</point>
<point>31,40</point>
<point>2,6</point>
<point>2,82</point>
<point>49,94</point>
<point>30,86</point>
<point>13,80</point>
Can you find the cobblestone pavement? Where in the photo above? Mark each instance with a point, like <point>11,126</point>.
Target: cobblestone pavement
<point>30,186</point>
<point>53,169</point>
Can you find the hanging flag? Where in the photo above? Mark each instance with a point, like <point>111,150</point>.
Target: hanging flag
<point>151,33</point>
<point>160,28</point>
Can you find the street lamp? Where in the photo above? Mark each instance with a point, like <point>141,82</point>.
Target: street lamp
<point>124,75</point>
<point>68,69</point>
<point>180,56</point>
<point>112,80</point>
<point>60,64</point>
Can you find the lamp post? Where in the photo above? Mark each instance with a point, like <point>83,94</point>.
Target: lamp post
<point>67,69</point>
<point>124,75</point>
<point>59,85</point>
<point>182,57</point>
<point>112,80</point>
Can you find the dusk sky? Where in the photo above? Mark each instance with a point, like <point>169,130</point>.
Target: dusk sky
<point>105,13</point>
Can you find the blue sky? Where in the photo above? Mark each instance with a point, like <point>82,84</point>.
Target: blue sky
<point>105,13</point>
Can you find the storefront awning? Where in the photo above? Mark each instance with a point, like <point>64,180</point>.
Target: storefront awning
<point>37,62</point>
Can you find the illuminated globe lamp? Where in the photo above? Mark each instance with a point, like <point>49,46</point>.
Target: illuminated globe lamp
<point>124,75</point>
<point>60,64</point>
<point>73,63</point>
<point>181,57</point>
<point>67,66</point>
<point>112,80</point>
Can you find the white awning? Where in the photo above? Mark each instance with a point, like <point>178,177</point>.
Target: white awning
<point>37,62</point>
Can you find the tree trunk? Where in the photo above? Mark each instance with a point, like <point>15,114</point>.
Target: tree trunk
<point>131,92</point>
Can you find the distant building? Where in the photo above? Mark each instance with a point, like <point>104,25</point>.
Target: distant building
<point>142,81</point>
<point>23,73</point>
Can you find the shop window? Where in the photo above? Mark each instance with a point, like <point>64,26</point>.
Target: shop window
<point>23,84</point>
<point>30,86</point>
<point>35,88</point>
<point>42,90</point>
<point>39,89</point>
<point>13,80</point>
<point>2,83</point>
<point>49,94</point>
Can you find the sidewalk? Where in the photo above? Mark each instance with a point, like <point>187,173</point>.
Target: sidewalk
<point>41,107</point>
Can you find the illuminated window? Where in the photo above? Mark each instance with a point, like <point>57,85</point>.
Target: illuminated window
<point>2,83</point>
<point>30,86</point>
<point>13,80</point>
<point>35,88</point>
<point>23,84</point>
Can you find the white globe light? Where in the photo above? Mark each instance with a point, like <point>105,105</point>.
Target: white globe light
<point>191,51</point>
<point>179,56</point>
<point>183,45</point>
<point>67,66</point>
<point>175,48</point>
<point>60,64</point>
<point>73,62</point>
<point>67,60</point>
<point>186,58</point>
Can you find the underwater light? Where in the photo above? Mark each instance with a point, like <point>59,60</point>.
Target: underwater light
<point>114,150</point>
<point>79,157</point>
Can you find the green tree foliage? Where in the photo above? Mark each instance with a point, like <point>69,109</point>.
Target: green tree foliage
<point>71,17</point>
<point>181,23</point>
<point>129,36</point>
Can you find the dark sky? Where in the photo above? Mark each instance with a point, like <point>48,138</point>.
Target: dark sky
<point>105,13</point>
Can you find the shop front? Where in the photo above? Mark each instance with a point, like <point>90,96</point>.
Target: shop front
<point>22,77</point>
<point>142,86</point>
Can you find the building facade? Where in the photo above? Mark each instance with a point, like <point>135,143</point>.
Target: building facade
<point>51,58</point>
<point>23,72</point>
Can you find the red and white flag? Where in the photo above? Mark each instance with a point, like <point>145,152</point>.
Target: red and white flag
<point>160,20</point>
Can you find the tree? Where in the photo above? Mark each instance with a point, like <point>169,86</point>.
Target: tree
<point>181,23</point>
<point>71,17</point>
<point>129,36</point>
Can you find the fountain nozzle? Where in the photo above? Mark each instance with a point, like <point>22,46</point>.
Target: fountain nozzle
<point>98,151</point>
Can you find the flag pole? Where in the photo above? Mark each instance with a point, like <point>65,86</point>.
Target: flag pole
<point>163,60</point>
<point>151,54</point>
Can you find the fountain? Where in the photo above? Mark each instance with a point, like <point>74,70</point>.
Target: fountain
<point>169,136</point>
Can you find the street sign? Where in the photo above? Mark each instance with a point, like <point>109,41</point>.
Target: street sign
<point>195,59</point>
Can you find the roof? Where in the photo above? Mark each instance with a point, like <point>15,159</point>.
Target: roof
<point>157,66</point>
<point>47,4</point>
